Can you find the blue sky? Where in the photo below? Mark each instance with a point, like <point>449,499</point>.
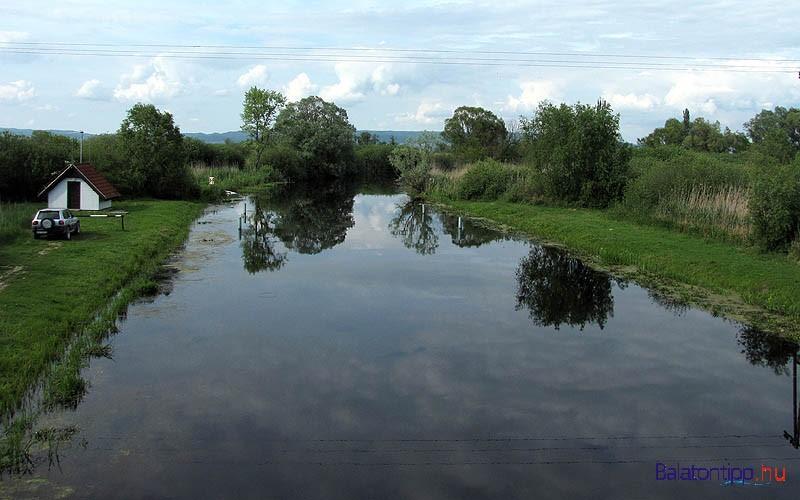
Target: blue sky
<point>205,95</point>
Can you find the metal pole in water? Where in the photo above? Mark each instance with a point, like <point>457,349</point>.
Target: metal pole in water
<point>423,209</point>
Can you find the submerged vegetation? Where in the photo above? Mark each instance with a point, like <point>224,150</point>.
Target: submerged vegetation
<point>58,290</point>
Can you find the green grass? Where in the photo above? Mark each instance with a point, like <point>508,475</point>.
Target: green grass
<point>768,285</point>
<point>15,218</point>
<point>59,299</point>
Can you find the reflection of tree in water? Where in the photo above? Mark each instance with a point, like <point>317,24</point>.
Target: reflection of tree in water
<point>313,218</point>
<point>556,289</point>
<point>675,305</point>
<point>470,234</point>
<point>414,227</point>
<point>764,349</point>
<point>306,219</point>
<point>259,245</point>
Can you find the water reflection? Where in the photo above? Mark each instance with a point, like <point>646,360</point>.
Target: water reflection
<point>763,349</point>
<point>466,233</point>
<point>304,219</point>
<point>260,247</point>
<point>413,225</point>
<point>558,289</point>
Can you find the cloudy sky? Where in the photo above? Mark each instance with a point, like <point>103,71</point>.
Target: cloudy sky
<point>66,91</point>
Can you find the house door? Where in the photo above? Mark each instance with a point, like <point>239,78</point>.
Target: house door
<point>74,195</point>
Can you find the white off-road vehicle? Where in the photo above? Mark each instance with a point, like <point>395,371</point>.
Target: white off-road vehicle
<point>55,222</point>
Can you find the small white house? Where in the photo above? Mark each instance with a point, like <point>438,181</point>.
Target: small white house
<point>80,187</point>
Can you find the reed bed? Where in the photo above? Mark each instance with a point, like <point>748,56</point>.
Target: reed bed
<point>721,211</point>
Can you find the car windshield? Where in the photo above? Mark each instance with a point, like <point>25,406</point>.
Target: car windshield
<point>48,214</point>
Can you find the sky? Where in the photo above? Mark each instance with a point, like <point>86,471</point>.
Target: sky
<point>92,93</point>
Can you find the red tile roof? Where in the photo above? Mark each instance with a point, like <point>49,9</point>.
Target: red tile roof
<point>95,179</point>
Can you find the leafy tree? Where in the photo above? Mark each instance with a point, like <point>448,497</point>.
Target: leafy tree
<point>414,167</point>
<point>699,135</point>
<point>672,133</point>
<point>261,108</point>
<point>776,133</point>
<point>322,135</point>
<point>475,133</point>
<point>27,164</point>
<point>427,141</point>
<point>105,153</point>
<point>365,139</point>
<point>153,145</point>
<point>578,151</point>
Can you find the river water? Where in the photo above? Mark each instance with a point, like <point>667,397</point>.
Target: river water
<point>351,345</point>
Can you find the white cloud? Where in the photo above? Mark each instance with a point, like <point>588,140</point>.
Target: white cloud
<point>299,87</point>
<point>356,80</point>
<point>20,90</point>
<point>257,75</point>
<point>12,36</point>
<point>533,92</point>
<point>631,101</point>
<point>221,92</point>
<point>147,82</point>
<point>92,89</point>
<point>699,91</point>
<point>428,112</point>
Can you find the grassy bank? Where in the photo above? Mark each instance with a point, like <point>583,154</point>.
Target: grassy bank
<point>54,293</point>
<point>732,280</point>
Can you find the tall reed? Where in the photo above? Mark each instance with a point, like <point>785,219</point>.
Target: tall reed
<point>714,211</point>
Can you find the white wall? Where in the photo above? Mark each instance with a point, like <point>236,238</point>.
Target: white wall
<point>57,197</point>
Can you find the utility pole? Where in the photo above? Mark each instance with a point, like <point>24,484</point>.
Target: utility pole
<point>81,160</point>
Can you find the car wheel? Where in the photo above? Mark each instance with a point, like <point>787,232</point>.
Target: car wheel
<point>68,234</point>
<point>35,236</point>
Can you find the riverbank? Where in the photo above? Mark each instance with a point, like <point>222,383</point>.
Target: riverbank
<point>55,293</point>
<point>729,280</point>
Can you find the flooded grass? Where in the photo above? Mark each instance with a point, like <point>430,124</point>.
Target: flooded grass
<point>726,279</point>
<point>60,305</point>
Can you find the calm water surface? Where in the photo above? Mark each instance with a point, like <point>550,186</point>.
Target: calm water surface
<point>351,345</point>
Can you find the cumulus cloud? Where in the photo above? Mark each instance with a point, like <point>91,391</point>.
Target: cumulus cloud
<point>257,75</point>
<point>356,80</point>
<point>148,82</point>
<point>92,89</point>
<point>427,113</point>
<point>533,92</point>
<point>12,36</point>
<point>631,101</point>
<point>299,87</point>
<point>699,91</point>
<point>20,90</point>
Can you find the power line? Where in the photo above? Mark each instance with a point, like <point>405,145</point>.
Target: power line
<point>497,63</point>
<point>411,50</point>
<point>369,57</point>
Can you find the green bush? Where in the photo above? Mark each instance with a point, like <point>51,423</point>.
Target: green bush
<point>485,180</point>
<point>286,160</point>
<point>526,187</point>
<point>372,161</point>
<point>775,206</point>
<point>657,172</point>
<point>578,151</point>
<point>443,160</point>
<point>414,167</point>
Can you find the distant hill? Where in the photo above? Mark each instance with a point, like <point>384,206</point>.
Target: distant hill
<point>28,132</point>
<point>401,136</point>
<point>218,137</point>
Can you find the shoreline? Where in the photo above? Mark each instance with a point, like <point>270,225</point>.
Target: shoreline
<point>721,278</point>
